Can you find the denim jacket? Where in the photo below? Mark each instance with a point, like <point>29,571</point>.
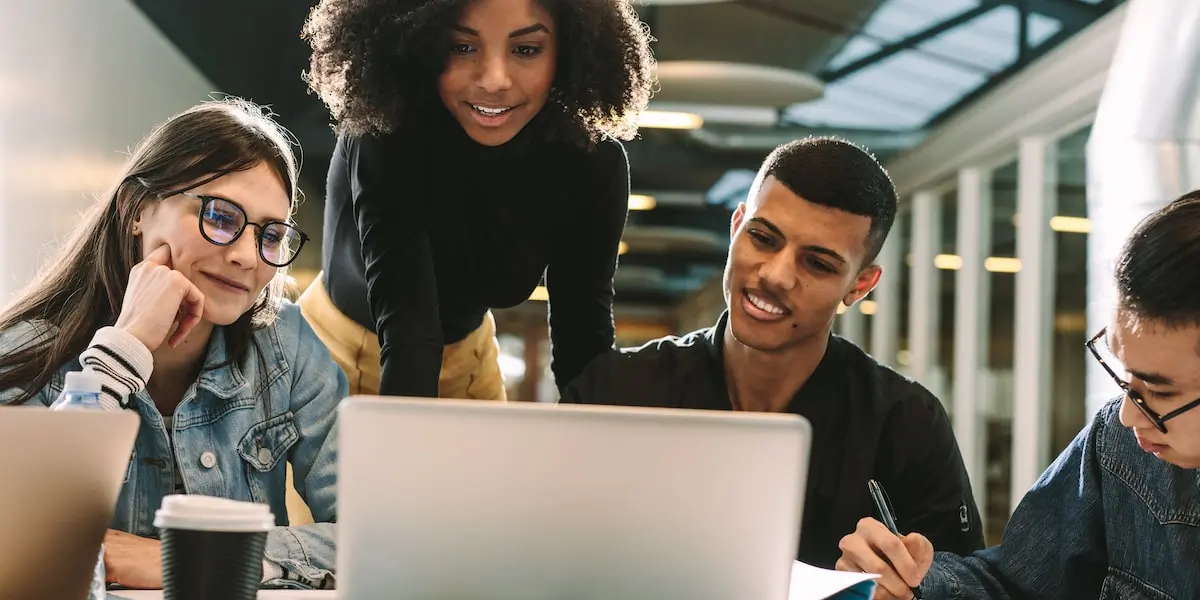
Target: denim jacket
<point>235,430</point>
<point>1106,520</point>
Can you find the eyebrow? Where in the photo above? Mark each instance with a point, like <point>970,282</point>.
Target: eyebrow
<point>818,249</point>
<point>1146,376</point>
<point>536,27</point>
<point>1152,378</point>
<point>239,205</point>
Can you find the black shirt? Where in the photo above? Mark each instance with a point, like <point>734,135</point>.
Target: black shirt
<point>425,230</point>
<point>867,420</point>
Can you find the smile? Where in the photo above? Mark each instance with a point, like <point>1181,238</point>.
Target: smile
<point>227,283</point>
<point>491,111</point>
<point>491,117</point>
<point>759,308</point>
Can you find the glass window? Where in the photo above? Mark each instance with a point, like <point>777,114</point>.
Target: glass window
<point>996,405</point>
<point>941,376</point>
<point>903,228</point>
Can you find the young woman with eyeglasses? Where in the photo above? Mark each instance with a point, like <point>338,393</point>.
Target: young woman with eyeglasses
<point>170,291</point>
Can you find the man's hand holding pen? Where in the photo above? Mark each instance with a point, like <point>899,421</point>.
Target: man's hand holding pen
<point>901,562</point>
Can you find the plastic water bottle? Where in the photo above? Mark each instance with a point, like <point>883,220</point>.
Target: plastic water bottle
<point>81,391</point>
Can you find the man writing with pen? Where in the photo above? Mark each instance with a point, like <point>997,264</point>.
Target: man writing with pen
<point>1117,515</point>
<point>804,242</point>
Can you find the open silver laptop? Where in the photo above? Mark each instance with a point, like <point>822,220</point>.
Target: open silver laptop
<point>482,500</point>
<point>60,475</point>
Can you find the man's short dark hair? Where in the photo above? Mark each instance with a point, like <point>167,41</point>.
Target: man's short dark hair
<point>1157,275</point>
<point>839,174</point>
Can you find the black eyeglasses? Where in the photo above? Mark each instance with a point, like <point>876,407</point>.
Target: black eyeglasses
<point>1137,399</point>
<point>223,221</point>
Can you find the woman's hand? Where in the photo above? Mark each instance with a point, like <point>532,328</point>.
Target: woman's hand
<point>159,302</point>
<point>132,561</point>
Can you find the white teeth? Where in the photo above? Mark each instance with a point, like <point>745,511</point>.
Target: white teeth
<point>491,111</point>
<point>763,305</point>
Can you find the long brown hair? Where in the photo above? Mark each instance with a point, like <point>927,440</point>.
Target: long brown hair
<point>82,288</point>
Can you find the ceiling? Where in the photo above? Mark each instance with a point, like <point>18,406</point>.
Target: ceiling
<point>761,72</point>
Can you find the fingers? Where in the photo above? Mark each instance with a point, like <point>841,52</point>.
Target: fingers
<point>858,552</point>
<point>110,575</point>
<point>921,550</point>
<point>161,305</point>
<point>191,309</point>
<point>847,564</point>
<point>902,563</point>
<point>893,550</point>
<point>160,256</point>
<point>881,593</point>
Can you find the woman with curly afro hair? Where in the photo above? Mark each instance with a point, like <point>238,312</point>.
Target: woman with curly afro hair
<point>478,150</point>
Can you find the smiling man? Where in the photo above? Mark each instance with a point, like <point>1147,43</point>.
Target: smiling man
<point>803,243</point>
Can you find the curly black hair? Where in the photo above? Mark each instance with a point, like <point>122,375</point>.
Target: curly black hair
<point>375,64</point>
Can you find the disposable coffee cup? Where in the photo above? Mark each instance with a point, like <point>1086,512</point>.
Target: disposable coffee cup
<point>212,548</point>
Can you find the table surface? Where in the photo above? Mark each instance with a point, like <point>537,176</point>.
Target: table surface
<point>262,595</point>
<point>808,583</point>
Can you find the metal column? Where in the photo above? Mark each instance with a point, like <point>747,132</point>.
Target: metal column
<point>972,302</point>
<point>885,323</point>
<point>923,297</point>
<point>1037,199</point>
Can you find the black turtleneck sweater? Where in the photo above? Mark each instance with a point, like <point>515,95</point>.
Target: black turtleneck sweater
<point>425,230</point>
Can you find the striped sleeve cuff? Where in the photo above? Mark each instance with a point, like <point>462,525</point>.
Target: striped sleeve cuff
<point>123,363</point>
<point>271,571</point>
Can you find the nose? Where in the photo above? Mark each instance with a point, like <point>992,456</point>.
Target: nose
<point>243,252</point>
<point>1132,417</point>
<point>779,272</point>
<point>493,74</point>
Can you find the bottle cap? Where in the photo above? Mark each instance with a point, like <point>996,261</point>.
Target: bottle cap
<point>81,381</point>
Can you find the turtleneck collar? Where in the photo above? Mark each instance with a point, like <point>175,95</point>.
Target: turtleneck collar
<point>454,137</point>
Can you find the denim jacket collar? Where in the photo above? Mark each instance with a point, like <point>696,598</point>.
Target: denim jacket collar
<point>228,379</point>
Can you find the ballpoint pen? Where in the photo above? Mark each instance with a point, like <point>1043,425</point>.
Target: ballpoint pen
<point>888,518</point>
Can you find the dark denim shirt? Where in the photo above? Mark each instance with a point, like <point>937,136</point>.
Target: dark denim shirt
<point>1107,520</point>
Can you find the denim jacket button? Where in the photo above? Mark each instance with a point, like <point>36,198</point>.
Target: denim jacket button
<point>208,460</point>
<point>264,456</point>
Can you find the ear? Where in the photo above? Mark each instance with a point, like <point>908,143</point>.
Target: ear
<point>735,223</point>
<point>138,225</point>
<point>864,282</point>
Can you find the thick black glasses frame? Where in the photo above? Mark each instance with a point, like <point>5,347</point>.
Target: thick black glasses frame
<point>1137,399</point>
<point>206,200</point>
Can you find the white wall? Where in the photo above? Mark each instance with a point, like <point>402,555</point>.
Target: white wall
<point>81,81</point>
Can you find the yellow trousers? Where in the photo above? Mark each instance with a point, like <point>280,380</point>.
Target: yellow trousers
<point>470,367</point>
